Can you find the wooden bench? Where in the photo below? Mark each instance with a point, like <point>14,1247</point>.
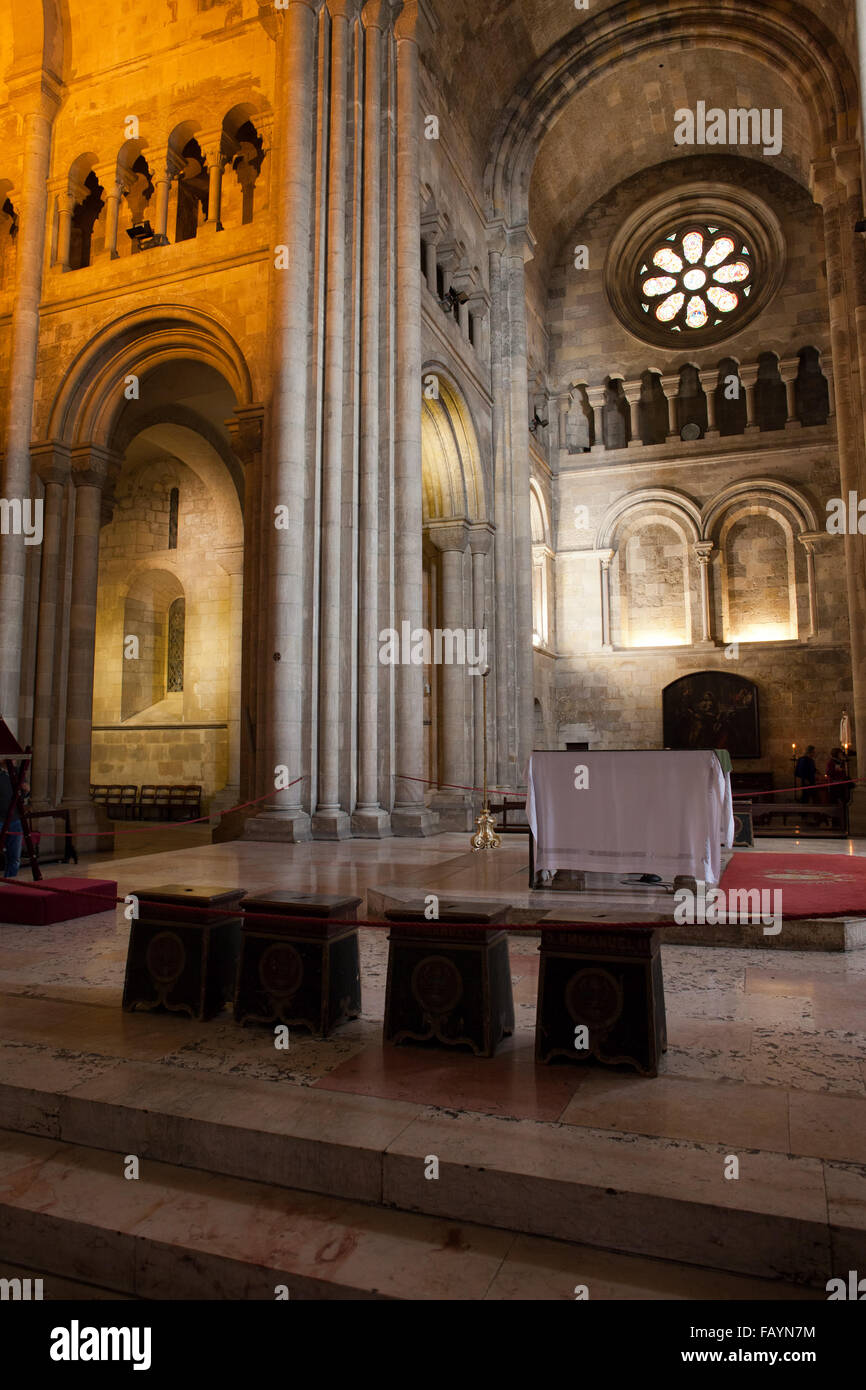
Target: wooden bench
<point>832,813</point>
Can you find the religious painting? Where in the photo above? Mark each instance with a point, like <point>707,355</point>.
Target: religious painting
<point>712,709</point>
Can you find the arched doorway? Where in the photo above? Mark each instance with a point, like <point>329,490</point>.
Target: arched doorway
<point>457,603</point>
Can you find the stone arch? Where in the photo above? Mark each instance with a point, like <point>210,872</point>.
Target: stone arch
<point>674,505</point>
<point>758,593</point>
<point>792,41</point>
<point>651,586</point>
<point>91,397</point>
<point>770,492</point>
<point>451,468</point>
<point>40,36</point>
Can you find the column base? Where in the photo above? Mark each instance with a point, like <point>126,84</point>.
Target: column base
<point>635,444</point>
<point>92,831</point>
<point>371,823</point>
<point>331,825</point>
<point>793,425</point>
<point>707,644</point>
<point>752,429</point>
<point>455,812</point>
<point>414,821</point>
<point>712,434</point>
<point>286,827</point>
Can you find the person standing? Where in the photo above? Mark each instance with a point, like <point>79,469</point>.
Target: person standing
<point>806,774</point>
<point>840,786</point>
<point>14,836</point>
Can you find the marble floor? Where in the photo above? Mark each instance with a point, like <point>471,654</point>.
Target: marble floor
<point>766,1049</point>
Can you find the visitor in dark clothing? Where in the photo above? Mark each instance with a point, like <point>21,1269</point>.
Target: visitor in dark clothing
<point>12,844</point>
<point>806,774</point>
<point>839,789</point>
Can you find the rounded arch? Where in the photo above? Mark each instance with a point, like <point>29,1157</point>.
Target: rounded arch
<point>40,36</point>
<point>91,398</point>
<point>183,132</point>
<point>451,470</point>
<point>791,40</point>
<point>539,518</point>
<point>769,494</point>
<point>673,506</point>
<point>243,111</point>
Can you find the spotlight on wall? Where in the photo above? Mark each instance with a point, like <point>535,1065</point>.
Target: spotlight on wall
<point>450,300</point>
<point>536,423</point>
<point>141,235</point>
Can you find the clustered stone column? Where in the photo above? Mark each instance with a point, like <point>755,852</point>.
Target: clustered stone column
<point>37,99</point>
<point>410,816</point>
<point>703,551</point>
<point>480,544</point>
<point>451,539</point>
<point>369,818</point>
<point>282,672</point>
<point>52,463</point>
<point>93,473</point>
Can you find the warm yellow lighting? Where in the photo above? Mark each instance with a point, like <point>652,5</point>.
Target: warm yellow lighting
<point>764,632</point>
<point>656,639</point>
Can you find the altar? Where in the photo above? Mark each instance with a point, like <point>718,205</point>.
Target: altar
<point>653,811</point>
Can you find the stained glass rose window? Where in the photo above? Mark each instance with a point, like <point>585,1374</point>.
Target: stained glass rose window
<point>697,277</point>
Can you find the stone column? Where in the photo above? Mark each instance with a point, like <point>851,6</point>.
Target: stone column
<point>480,542</point>
<point>369,819</point>
<point>595,395</point>
<point>671,387</point>
<point>113,186</point>
<point>749,381</point>
<point>330,821</point>
<point>245,430</point>
<point>211,146</point>
<point>283,675</point>
<point>849,437</point>
<point>36,99</point>
<point>52,463</point>
<point>827,369</point>
<point>162,180</point>
<point>454,804</point>
<point>410,815</point>
<point>231,561</point>
<point>631,391</point>
<point>788,370</point>
<point>605,556</point>
<point>65,209</point>
<point>93,471</point>
<point>808,540</point>
<point>710,382</point>
<point>703,551</point>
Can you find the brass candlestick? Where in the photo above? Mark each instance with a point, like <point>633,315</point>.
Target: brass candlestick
<point>486,836</point>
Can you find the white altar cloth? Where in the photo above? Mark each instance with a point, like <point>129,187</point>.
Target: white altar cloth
<point>661,812</point>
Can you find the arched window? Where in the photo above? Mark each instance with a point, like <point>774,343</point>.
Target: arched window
<point>650,583</point>
<point>84,216</point>
<point>192,192</point>
<point>542,558</point>
<point>176,634</point>
<point>173,511</point>
<point>759,591</point>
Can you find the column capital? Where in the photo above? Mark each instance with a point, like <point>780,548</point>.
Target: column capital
<point>515,241</point>
<point>434,225</point>
<point>342,9</point>
<point>376,14</point>
<point>709,378</point>
<point>481,535</point>
<point>809,539</point>
<point>822,180</point>
<point>789,368</point>
<point>595,395</point>
<point>630,389</point>
<point>245,431</point>
<point>605,556</point>
<point>415,22</point>
<point>32,93</point>
<point>703,550</point>
<point>449,535</point>
<point>93,466</point>
<point>670,385</point>
<point>748,374</point>
<point>51,461</point>
<point>211,143</point>
<point>846,158</point>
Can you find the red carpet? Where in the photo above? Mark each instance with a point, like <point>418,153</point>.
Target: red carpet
<point>812,885</point>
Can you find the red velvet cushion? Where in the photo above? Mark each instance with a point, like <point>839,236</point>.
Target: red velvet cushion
<point>98,887</point>
<point>30,907</point>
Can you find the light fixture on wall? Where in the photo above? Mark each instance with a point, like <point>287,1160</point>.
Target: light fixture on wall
<point>141,235</point>
<point>536,423</point>
<point>451,299</point>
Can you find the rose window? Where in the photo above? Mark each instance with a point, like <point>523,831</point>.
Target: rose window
<point>698,277</point>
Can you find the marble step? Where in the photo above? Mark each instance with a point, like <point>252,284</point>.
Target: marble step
<point>69,1216</point>
<point>787,1217</point>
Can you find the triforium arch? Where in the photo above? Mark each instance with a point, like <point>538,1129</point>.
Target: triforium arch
<point>457,594</point>
<point>151,463</point>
